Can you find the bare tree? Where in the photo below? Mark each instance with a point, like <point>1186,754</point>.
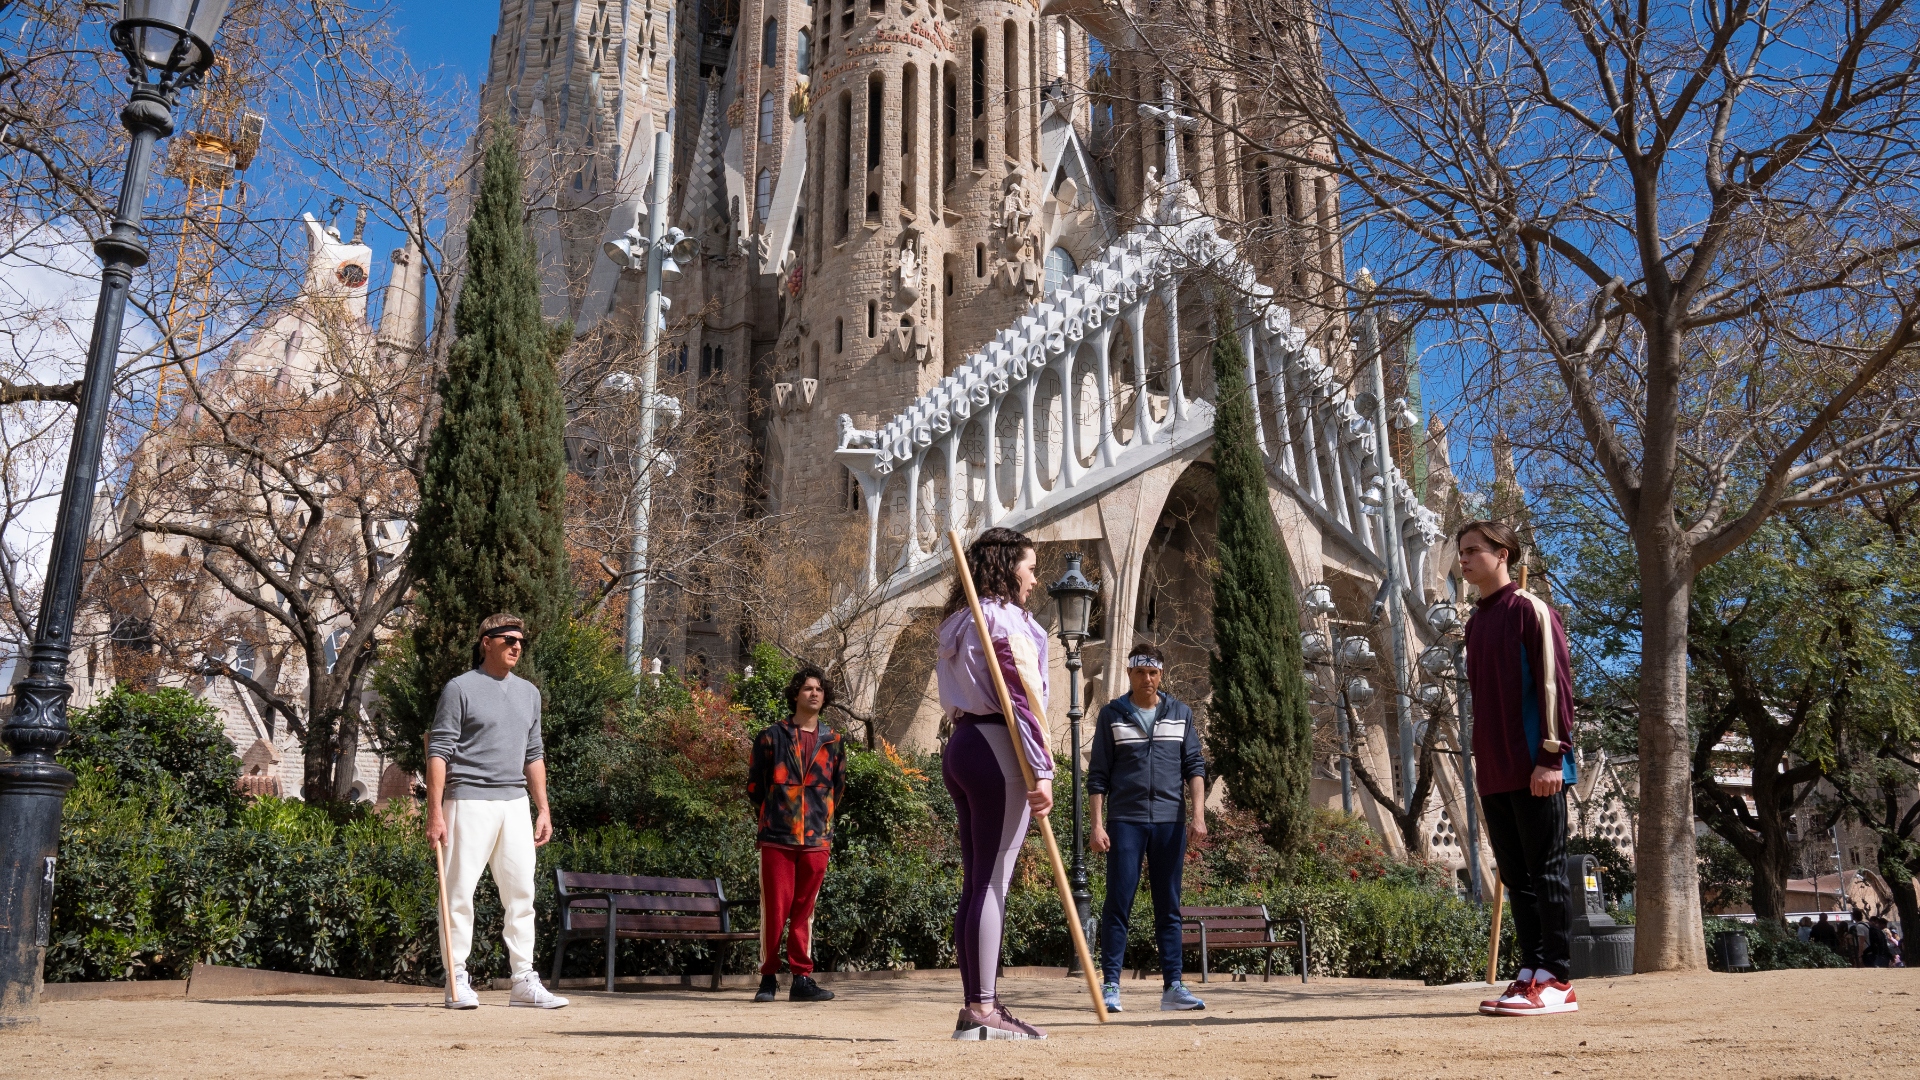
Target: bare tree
<point>1692,226</point>
<point>279,513</point>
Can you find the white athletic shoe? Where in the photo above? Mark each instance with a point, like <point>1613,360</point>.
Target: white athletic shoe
<point>528,993</point>
<point>462,996</point>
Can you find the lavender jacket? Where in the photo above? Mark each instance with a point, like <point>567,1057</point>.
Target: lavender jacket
<point>1020,648</point>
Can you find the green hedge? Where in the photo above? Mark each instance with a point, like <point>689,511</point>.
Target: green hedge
<point>145,894</point>
<point>156,875</point>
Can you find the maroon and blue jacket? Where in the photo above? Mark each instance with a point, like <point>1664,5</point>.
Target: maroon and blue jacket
<point>1520,673</point>
<point>794,800</point>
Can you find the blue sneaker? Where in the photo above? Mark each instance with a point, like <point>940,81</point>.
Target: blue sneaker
<point>1178,998</point>
<point>1110,993</point>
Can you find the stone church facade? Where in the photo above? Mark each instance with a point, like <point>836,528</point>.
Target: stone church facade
<point>961,267</point>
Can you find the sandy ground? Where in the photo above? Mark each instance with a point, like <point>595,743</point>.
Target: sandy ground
<point>1775,1024</point>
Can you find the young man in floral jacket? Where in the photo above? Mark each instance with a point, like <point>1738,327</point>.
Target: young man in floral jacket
<point>796,778</point>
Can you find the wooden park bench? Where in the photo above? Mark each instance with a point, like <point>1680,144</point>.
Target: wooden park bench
<point>1214,928</point>
<point>662,909</point>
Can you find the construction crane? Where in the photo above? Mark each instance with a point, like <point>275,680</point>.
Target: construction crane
<point>221,142</point>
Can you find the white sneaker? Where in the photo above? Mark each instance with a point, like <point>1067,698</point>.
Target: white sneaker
<point>462,996</point>
<point>528,993</point>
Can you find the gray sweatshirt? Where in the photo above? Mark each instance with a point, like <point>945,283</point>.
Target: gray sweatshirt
<point>487,730</point>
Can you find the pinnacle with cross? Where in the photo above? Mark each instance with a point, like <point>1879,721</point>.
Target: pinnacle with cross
<point>1172,122</point>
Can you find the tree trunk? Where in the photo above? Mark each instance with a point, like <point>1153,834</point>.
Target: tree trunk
<point>316,757</point>
<point>1905,901</point>
<point>1670,936</point>
<point>1772,795</point>
<point>317,749</point>
<point>1770,874</point>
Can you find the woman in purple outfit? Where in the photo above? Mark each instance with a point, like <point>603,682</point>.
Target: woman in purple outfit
<point>979,766</point>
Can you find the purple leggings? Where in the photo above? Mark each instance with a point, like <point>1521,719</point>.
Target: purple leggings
<point>984,779</point>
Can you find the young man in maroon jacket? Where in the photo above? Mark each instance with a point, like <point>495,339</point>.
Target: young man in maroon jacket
<point>1519,672</point>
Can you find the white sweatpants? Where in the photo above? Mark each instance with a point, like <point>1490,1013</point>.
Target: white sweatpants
<point>484,833</point>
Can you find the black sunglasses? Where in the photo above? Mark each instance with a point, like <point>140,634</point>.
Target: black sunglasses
<point>513,640</point>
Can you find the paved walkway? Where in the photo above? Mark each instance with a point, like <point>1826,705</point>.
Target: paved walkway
<point>1774,1024</point>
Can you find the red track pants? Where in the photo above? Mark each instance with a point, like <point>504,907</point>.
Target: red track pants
<point>789,884</point>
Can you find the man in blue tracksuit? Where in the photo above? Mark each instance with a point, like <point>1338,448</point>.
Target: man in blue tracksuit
<point>1146,756</point>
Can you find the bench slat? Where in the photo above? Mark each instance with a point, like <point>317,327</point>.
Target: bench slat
<point>623,883</point>
<point>673,924</point>
<point>1228,924</point>
<point>648,902</point>
<point>1223,913</point>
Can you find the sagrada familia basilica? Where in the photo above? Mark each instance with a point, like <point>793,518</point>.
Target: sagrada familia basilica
<point>961,264</point>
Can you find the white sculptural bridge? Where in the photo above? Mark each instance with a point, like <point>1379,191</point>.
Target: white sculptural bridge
<point>1065,405</point>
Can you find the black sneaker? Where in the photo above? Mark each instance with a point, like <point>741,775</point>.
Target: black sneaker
<point>805,989</point>
<point>769,986</point>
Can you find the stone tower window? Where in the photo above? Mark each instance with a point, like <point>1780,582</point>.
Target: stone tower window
<point>766,118</point>
<point>979,73</point>
<point>1010,86</point>
<point>770,43</point>
<point>839,335</point>
<point>877,7</point>
<point>876,89</point>
<point>950,111</point>
<point>1060,48</point>
<point>803,53</point>
<point>873,318</point>
<point>979,260</point>
<point>909,135</point>
<point>842,170</point>
<point>763,196</point>
<point>846,16</point>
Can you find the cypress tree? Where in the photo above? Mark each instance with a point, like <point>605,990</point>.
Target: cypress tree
<point>488,535</point>
<point>1260,732</point>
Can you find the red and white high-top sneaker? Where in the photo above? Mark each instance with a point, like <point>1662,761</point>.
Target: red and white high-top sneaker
<point>1543,997</point>
<point>1516,991</point>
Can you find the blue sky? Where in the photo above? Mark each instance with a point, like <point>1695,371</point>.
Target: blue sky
<point>448,33</point>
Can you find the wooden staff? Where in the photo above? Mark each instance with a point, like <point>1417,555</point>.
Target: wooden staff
<point>1493,940</point>
<point>440,879</point>
<point>1026,773</point>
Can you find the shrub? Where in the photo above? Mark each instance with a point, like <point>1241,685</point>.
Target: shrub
<point>140,743</point>
<point>1771,948</point>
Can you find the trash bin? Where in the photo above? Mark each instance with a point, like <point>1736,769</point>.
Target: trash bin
<point>1599,947</point>
<point>1603,952</point>
<point>1730,948</point>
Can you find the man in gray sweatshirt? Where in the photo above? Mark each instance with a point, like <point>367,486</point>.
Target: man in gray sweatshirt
<point>484,760</point>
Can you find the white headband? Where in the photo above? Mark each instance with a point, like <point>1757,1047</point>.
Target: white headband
<point>1143,660</point>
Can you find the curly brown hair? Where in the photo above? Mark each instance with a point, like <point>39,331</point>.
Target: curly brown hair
<point>992,560</point>
<point>799,683</point>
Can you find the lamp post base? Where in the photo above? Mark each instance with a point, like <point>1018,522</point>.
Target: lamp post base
<point>30,801</point>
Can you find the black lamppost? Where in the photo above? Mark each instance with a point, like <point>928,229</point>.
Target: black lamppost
<point>169,46</point>
<point>1074,594</point>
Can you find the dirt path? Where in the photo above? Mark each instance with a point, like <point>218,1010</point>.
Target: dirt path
<point>1774,1024</point>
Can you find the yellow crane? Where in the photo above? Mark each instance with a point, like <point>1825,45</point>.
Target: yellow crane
<point>221,142</point>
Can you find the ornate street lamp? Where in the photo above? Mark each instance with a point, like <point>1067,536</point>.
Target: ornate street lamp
<point>169,47</point>
<point>1073,595</point>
